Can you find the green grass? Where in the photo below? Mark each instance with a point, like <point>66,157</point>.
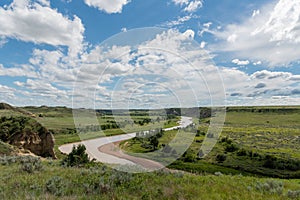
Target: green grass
<point>9,113</point>
<point>275,133</point>
<point>135,145</point>
<point>56,123</point>
<point>171,123</point>
<point>67,122</point>
<point>98,182</point>
<point>202,167</point>
<point>6,149</point>
<point>277,120</point>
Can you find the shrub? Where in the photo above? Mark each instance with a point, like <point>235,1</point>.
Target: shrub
<point>103,186</point>
<point>6,160</point>
<point>146,145</point>
<point>189,156</point>
<point>270,186</point>
<point>293,194</point>
<point>253,154</point>
<point>241,152</point>
<point>226,140</point>
<point>118,178</point>
<point>220,158</point>
<point>153,141</point>
<point>106,184</point>
<point>31,164</point>
<point>270,162</point>
<point>231,148</point>
<point>77,157</point>
<point>56,186</point>
<point>273,162</point>
<point>27,167</point>
<point>28,163</point>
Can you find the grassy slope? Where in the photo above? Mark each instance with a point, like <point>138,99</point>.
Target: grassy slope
<point>6,149</point>
<point>101,183</point>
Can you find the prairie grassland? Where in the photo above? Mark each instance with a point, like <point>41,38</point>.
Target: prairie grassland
<point>96,181</point>
<point>261,140</point>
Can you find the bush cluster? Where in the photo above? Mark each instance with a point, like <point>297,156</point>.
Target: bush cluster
<point>189,156</point>
<point>28,164</point>
<point>149,139</point>
<point>270,186</point>
<point>77,157</point>
<point>273,162</point>
<point>18,124</point>
<point>56,186</point>
<point>221,158</point>
<point>108,182</point>
<point>293,194</point>
<point>31,164</point>
<point>268,161</point>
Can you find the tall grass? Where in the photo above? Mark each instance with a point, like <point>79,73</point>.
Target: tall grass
<point>99,182</point>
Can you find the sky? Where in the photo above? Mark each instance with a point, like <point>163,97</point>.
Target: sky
<point>149,54</point>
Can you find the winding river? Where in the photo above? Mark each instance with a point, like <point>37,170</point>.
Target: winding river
<point>104,149</point>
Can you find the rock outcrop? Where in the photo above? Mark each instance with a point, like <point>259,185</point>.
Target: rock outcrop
<point>26,133</point>
<point>41,144</point>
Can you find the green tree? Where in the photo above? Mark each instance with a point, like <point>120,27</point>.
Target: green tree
<point>77,157</point>
<point>153,142</point>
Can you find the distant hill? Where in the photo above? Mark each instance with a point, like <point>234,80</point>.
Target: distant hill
<point>5,106</point>
<point>15,110</point>
<point>47,111</point>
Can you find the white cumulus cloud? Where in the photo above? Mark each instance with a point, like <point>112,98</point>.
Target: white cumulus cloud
<point>240,62</point>
<point>189,5</point>
<point>257,63</point>
<point>178,21</point>
<point>272,35</point>
<point>202,44</point>
<point>37,22</point>
<point>255,13</point>
<point>154,72</point>
<point>109,6</point>
<point>24,70</point>
<point>44,2</point>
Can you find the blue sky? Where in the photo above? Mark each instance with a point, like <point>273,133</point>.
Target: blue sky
<point>134,53</point>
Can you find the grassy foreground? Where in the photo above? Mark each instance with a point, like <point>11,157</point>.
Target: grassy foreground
<point>52,181</point>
